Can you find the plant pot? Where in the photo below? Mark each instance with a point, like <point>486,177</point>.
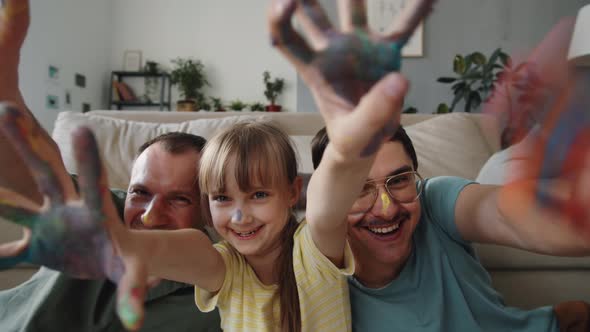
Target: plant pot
<point>273,108</point>
<point>220,110</point>
<point>186,106</point>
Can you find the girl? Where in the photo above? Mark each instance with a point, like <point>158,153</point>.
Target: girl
<point>275,278</point>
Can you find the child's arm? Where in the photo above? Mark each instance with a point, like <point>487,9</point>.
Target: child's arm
<point>340,68</point>
<point>185,255</point>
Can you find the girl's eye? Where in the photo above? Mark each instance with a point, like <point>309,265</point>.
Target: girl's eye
<point>260,194</point>
<point>220,198</point>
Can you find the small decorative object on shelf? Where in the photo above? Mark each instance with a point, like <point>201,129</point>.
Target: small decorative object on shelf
<point>217,104</point>
<point>273,88</point>
<point>237,105</point>
<point>121,94</point>
<point>257,107</point>
<point>190,76</point>
<point>152,82</point>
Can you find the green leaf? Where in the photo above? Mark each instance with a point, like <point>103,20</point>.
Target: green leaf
<point>459,64</point>
<point>446,79</point>
<point>505,59</point>
<point>442,108</point>
<point>458,86</point>
<point>478,58</point>
<point>475,99</point>
<point>458,96</point>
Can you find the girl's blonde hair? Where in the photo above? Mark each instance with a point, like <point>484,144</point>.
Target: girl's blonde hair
<point>262,154</point>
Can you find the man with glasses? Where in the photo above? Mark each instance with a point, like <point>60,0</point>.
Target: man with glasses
<point>415,267</point>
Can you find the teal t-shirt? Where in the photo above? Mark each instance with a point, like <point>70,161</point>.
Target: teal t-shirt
<point>443,286</point>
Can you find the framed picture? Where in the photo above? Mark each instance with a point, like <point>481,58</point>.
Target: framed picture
<point>382,14</point>
<point>132,60</point>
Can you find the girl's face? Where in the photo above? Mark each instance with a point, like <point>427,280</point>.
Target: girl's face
<point>252,222</point>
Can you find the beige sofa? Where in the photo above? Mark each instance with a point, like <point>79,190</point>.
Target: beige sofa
<point>454,144</point>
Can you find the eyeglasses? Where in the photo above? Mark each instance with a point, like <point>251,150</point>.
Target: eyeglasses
<point>402,188</point>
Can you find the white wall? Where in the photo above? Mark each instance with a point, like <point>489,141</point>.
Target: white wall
<point>75,36</point>
<point>230,37</point>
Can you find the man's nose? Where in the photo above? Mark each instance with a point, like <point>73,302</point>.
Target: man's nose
<point>384,206</point>
<point>154,215</point>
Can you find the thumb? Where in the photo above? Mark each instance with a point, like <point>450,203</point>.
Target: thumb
<point>131,294</point>
<point>380,109</point>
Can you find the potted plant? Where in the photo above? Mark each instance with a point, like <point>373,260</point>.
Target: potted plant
<point>190,76</point>
<point>217,104</point>
<point>273,88</point>
<point>204,104</point>
<point>476,78</point>
<point>237,105</point>
<point>257,107</point>
<point>152,81</point>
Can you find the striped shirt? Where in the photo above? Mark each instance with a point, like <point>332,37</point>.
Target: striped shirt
<point>246,304</point>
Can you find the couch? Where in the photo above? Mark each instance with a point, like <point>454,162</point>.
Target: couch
<point>457,144</point>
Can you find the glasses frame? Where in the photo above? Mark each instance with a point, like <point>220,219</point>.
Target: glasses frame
<point>377,184</point>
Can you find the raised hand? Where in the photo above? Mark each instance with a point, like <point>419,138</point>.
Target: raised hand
<point>554,161</point>
<point>69,233</point>
<point>340,67</point>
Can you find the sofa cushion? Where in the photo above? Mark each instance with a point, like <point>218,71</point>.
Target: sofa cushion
<point>120,139</point>
<point>452,144</point>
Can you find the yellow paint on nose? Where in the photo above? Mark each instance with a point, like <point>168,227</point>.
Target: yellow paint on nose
<point>385,202</point>
<point>145,219</point>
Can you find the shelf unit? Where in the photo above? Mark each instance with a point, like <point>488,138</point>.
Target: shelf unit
<point>165,90</point>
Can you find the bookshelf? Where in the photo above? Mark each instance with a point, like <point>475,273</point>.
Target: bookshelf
<point>165,96</point>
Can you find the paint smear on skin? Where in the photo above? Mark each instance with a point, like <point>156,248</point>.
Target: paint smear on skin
<point>385,203</point>
<point>129,309</point>
<point>237,216</point>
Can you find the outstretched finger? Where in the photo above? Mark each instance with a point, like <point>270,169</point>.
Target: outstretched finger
<point>17,209</point>
<point>38,150</point>
<point>315,23</point>
<point>15,252</point>
<point>14,22</point>
<point>404,25</point>
<point>284,37</point>
<point>353,15</point>
<point>131,295</point>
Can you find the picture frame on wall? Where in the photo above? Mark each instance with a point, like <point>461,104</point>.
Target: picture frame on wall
<point>132,60</point>
<point>382,14</point>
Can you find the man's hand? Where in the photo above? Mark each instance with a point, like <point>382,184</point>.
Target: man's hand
<point>78,236</point>
<point>340,67</point>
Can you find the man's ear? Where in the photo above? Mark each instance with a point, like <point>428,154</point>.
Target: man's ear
<point>301,201</point>
<point>295,191</point>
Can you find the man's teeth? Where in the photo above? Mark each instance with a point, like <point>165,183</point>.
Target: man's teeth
<point>383,230</point>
